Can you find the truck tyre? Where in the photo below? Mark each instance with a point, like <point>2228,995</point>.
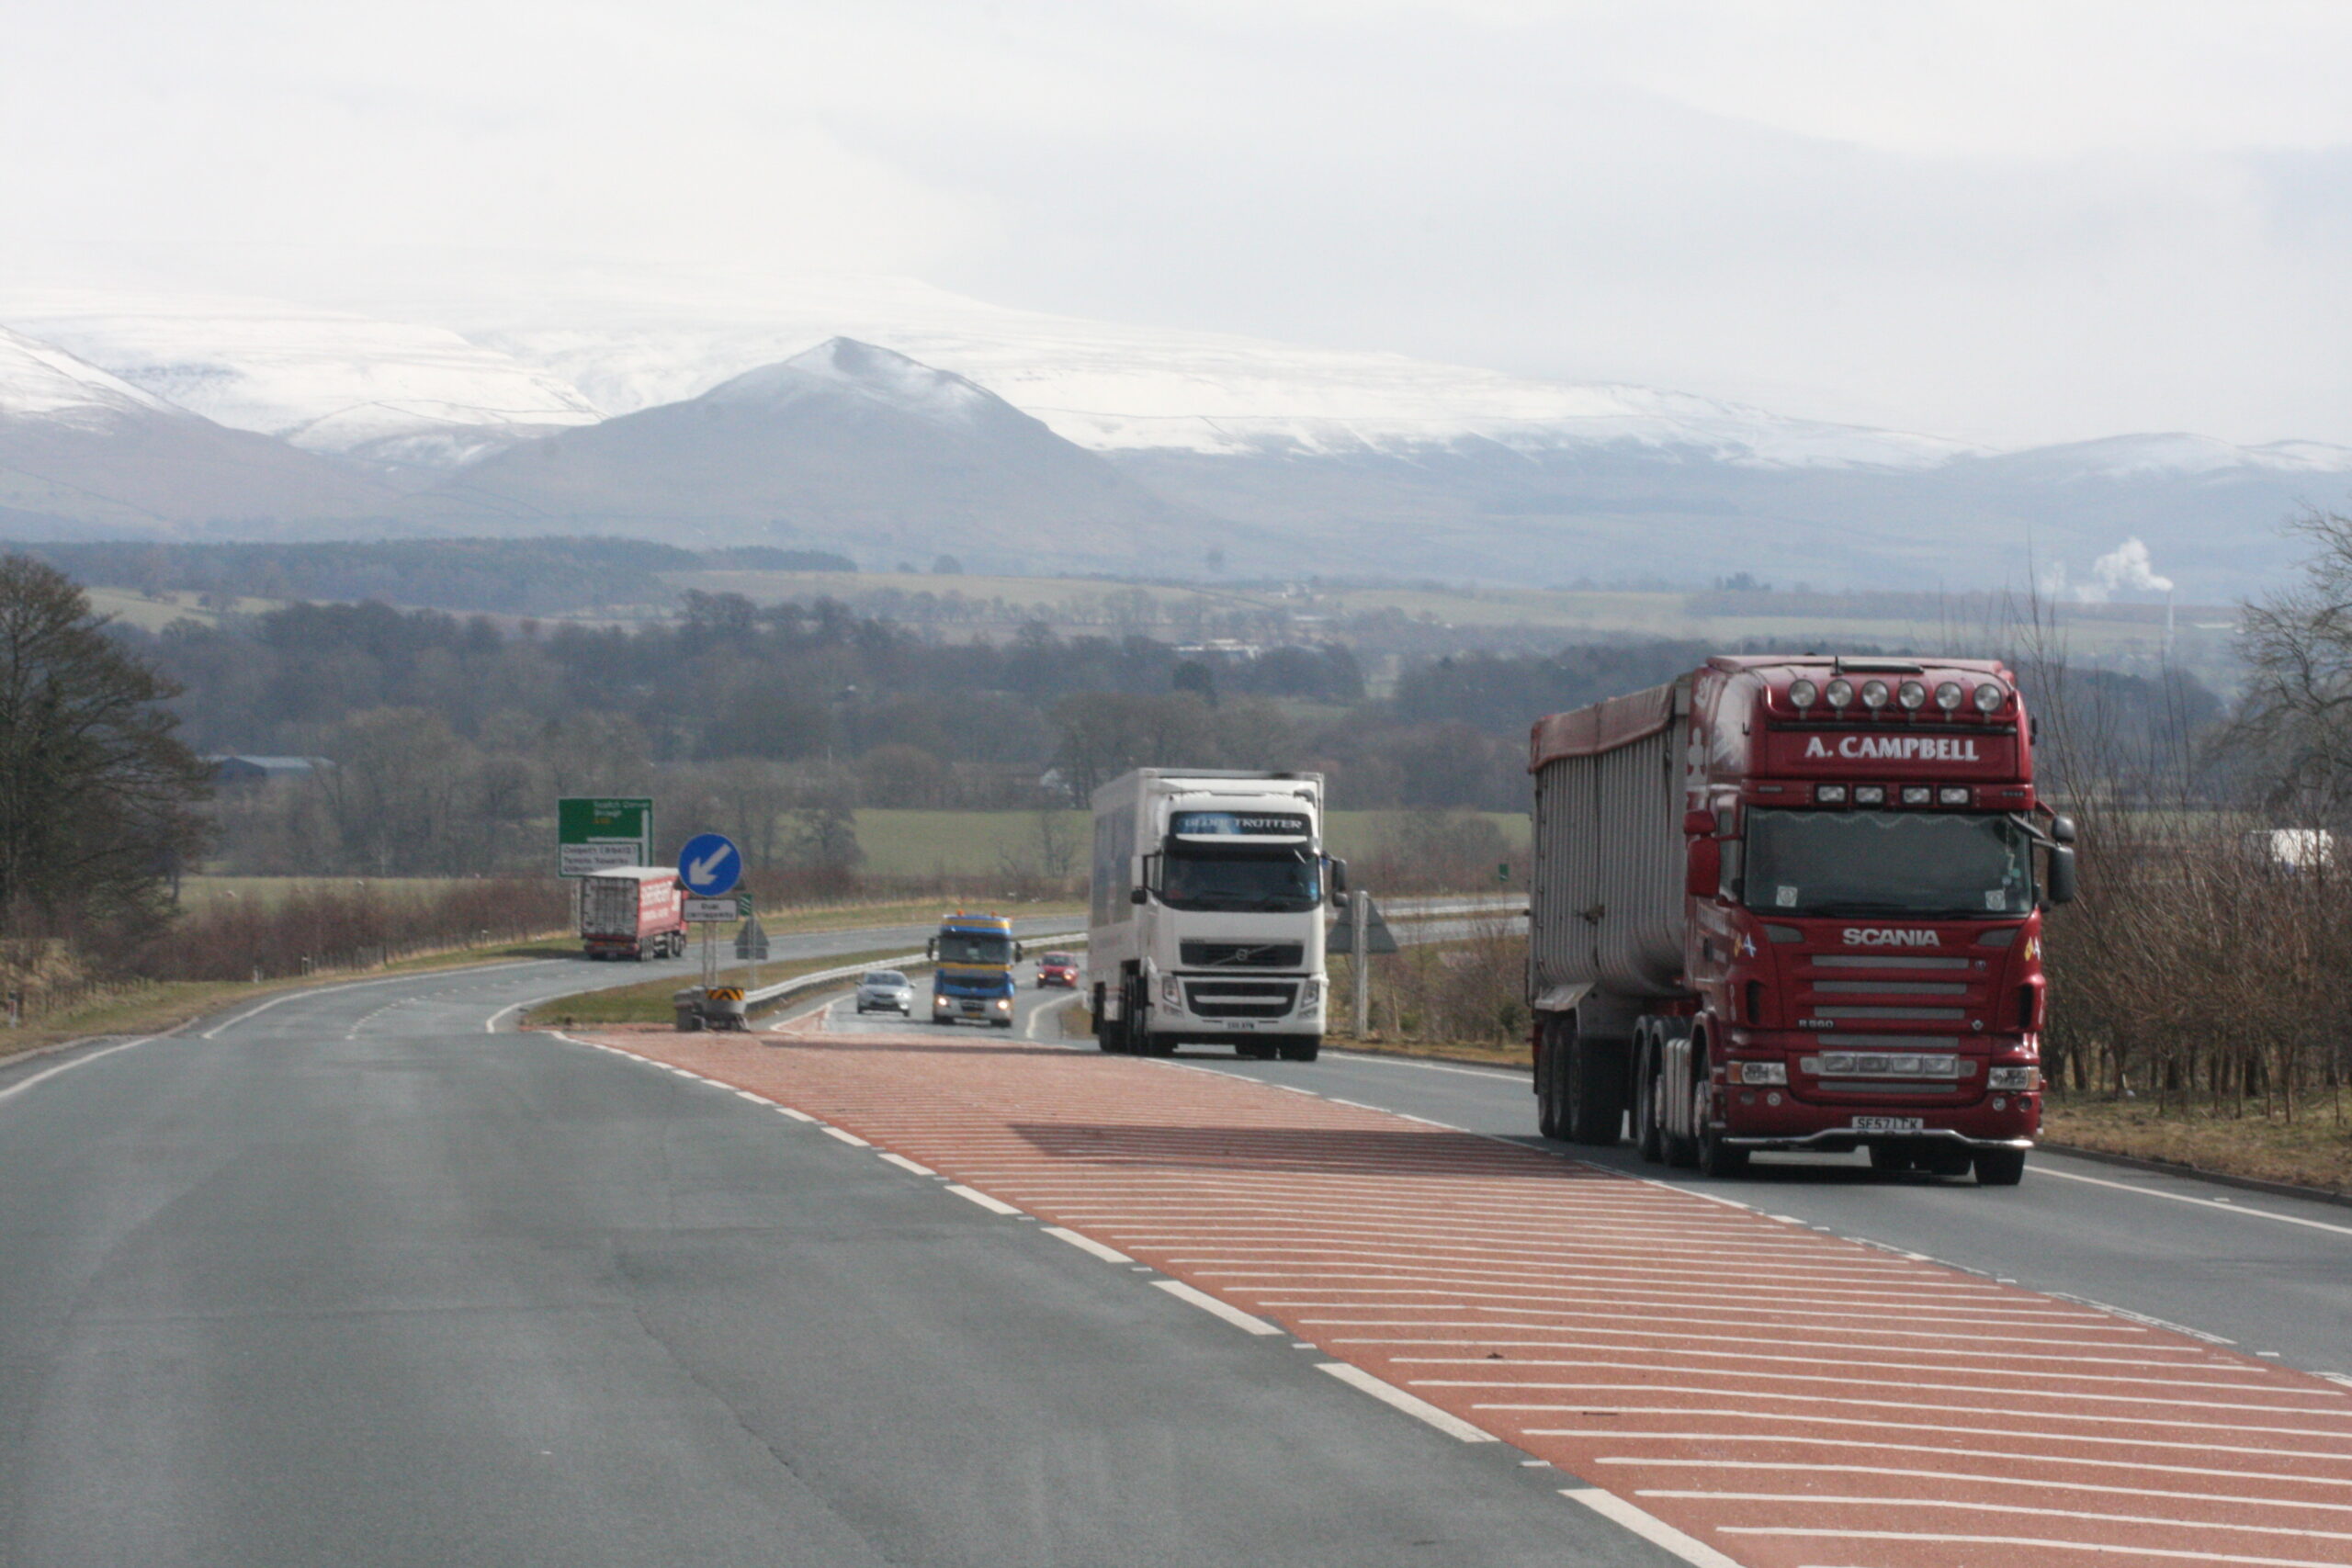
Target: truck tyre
<point>1547,1068</point>
<point>1716,1158</point>
<point>1301,1049</point>
<point>1649,1136</point>
<point>1104,1032</point>
<point>1594,1099</point>
<point>1999,1168</point>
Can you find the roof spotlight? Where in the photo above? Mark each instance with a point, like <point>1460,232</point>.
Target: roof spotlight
<point>1912,696</point>
<point>1948,695</point>
<point>1873,693</point>
<point>1804,693</point>
<point>1989,696</point>
<point>1840,691</point>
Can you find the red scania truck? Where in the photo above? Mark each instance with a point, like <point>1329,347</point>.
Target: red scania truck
<point>1792,903</point>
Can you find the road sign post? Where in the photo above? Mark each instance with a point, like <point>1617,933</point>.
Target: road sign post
<point>596,833</point>
<point>710,866</point>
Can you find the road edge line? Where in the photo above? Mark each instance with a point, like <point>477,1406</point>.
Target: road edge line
<point>1216,1308</point>
<point>1649,1527</point>
<point>974,1195</point>
<point>1396,1398</point>
<point>1089,1244</point>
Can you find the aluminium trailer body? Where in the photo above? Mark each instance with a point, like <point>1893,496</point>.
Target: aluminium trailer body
<point>1206,922</point>
<point>1787,903</point>
<point>633,911</point>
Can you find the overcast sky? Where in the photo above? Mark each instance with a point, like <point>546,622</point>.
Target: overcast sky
<point>2015,222</point>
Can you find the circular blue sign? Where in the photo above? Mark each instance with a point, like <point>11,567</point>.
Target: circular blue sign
<point>710,866</point>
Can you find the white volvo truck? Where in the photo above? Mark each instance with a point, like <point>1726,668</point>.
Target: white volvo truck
<point>1206,923</point>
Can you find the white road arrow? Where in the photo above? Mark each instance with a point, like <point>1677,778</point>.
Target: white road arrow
<point>699,872</point>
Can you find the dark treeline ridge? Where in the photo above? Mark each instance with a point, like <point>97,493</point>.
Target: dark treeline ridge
<point>502,577</point>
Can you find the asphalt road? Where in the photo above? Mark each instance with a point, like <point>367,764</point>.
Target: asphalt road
<point>350,1277</point>
<point>2270,1275</point>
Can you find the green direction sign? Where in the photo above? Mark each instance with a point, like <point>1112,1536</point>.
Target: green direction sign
<point>593,834</point>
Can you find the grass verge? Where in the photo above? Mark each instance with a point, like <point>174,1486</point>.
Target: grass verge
<point>2313,1150</point>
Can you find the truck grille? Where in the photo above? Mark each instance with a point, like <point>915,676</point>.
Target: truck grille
<point>1240,998</point>
<point>1242,954</point>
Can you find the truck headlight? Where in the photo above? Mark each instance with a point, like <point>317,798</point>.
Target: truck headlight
<point>1004,1004</point>
<point>1169,993</point>
<point>2021,1078</point>
<point>940,999</point>
<point>1759,1072</point>
<point>1310,995</point>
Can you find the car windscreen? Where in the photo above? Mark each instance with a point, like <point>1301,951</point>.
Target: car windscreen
<point>975,947</point>
<point>1887,862</point>
<point>885,977</point>
<point>1056,960</point>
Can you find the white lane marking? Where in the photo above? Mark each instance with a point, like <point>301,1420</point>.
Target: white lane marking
<point>994,1206</point>
<point>1087,1243</point>
<point>490,1024</point>
<point>1979,1506</point>
<point>2040,1483</point>
<point>1397,1398</point>
<point>754,1098</point>
<point>903,1163</point>
<point>357,984</point>
<point>1886,1446</point>
<point>847,1137</point>
<point>1377,1061</point>
<point>1654,1530</point>
<point>47,1073</point>
<point>1216,1308</point>
<point>797,1115</point>
<point>2223,1204</point>
<point>1044,1010</point>
<point>2103,1548</point>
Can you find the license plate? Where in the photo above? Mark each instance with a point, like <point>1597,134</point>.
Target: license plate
<point>1889,1123</point>
<point>971,1006</point>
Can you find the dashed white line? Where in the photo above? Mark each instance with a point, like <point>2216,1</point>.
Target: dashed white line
<point>994,1206</point>
<point>852,1139</point>
<point>1654,1530</point>
<point>1213,1307</point>
<point>797,1115</point>
<point>1419,1409</point>
<point>2014,1541</point>
<point>903,1163</point>
<point>1087,1243</point>
<point>2223,1204</point>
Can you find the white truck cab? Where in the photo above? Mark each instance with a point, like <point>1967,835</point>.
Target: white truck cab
<point>1207,921</point>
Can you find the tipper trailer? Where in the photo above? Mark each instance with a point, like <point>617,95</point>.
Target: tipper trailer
<point>1792,903</point>
<point>633,911</point>
<point>1207,921</point>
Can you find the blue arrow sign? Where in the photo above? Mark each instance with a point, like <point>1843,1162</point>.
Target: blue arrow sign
<point>710,866</point>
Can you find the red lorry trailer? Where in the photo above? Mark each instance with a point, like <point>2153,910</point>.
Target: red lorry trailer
<point>633,911</point>
<point>1792,903</point>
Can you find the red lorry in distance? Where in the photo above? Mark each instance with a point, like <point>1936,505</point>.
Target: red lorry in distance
<point>633,911</point>
<point>1792,903</point>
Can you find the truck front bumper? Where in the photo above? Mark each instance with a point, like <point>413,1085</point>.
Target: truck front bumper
<point>1845,1140</point>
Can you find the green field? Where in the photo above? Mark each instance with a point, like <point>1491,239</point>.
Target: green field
<point>976,843</point>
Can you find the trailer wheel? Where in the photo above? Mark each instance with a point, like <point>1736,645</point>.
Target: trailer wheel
<point>1649,1136</point>
<point>1593,1106</point>
<point>1548,1074</point>
<point>1999,1168</point>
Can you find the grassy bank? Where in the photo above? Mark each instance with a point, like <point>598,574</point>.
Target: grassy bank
<point>2313,1150</point>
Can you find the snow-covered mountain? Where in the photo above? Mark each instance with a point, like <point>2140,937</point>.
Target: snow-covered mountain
<point>322,381</point>
<point>85,452</point>
<point>845,445</point>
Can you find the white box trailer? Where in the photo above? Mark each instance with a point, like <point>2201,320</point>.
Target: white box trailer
<point>1207,921</point>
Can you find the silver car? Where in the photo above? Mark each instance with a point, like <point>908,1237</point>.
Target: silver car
<point>886,990</point>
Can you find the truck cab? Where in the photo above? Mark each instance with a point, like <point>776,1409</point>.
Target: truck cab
<point>971,980</point>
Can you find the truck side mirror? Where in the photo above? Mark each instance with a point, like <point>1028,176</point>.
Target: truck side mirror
<point>931,948</point>
<point>1704,870</point>
<point>2062,876</point>
<point>1339,874</point>
<point>1138,896</point>
<point>1018,952</point>
<point>2061,828</point>
<point>1699,824</point>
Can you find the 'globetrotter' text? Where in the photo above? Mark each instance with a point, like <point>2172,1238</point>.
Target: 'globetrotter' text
<point>1899,748</point>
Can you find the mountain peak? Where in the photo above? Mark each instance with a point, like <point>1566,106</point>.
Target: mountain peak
<point>842,366</point>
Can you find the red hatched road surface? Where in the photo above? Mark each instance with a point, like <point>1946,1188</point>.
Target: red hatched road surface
<point>1790,1399</point>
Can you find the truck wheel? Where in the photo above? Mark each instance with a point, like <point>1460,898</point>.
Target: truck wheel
<point>1999,1168</point>
<point>1716,1158</point>
<point>1548,1069</point>
<point>1649,1136</point>
<point>1301,1049</point>
<point>1595,1096</point>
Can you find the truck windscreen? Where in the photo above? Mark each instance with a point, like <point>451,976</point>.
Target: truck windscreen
<point>1268,881</point>
<point>975,947</point>
<point>1887,862</point>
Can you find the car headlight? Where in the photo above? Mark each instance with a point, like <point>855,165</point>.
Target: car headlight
<point>2025,1078</point>
<point>1759,1072</point>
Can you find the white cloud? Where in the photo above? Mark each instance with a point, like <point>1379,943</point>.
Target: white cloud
<point>2125,569</point>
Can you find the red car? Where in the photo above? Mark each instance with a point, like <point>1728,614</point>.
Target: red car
<point>1057,969</point>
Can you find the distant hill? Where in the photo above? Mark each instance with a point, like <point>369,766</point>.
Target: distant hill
<point>847,445</point>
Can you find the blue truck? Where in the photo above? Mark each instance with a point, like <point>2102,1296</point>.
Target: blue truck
<point>971,979</point>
